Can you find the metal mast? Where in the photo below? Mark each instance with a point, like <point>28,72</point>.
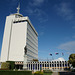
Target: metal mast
<point>18,8</point>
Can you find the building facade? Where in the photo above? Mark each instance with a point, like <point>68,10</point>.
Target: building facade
<point>18,34</point>
<point>44,65</point>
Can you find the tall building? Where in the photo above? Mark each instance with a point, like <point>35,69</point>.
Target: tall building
<point>18,33</point>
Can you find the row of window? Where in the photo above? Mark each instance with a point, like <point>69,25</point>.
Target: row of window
<point>51,62</point>
<point>29,51</point>
<point>31,44</point>
<point>35,41</point>
<point>29,58</point>
<point>39,66</point>
<point>32,56</point>
<point>31,30</point>
<point>19,21</point>
<point>31,48</point>
<point>30,33</point>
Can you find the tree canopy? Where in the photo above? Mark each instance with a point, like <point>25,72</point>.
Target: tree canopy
<point>72,59</point>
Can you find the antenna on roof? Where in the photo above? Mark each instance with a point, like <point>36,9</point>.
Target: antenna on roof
<point>18,8</point>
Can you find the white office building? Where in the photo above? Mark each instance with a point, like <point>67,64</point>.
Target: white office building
<point>18,33</point>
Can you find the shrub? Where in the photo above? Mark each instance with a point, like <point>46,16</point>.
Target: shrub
<point>5,65</point>
<point>12,64</point>
<point>73,70</point>
<point>38,73</point>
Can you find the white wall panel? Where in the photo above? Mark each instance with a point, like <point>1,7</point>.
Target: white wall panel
<point>6,38</point>
<point>18,41</point>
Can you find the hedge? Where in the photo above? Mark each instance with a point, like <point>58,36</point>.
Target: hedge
<point>5,65</point>
<point>12,64</point>
<point>15,72</point>
<point>38,73</point>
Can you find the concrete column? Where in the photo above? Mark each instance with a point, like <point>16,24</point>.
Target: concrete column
<point>37,66</point>
<point>44,65</point>
<point>59,64</point>
<point>30,66</point>
<point>49,65</point>
<point>62,65</point>
<point>41,65</point>
<point>34,66</point>
<point>56,64</point>
<point>67,64</point>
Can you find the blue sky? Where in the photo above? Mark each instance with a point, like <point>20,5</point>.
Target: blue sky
<point>54,21</point>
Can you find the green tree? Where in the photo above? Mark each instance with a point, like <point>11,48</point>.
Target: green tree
<point>72,59</point>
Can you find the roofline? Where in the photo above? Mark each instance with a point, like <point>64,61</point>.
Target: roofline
<point>17,14</point>
<point>28,20</point>
<point>32,25</point>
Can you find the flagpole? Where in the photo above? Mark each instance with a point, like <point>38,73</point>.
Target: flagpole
<point>52,57</point>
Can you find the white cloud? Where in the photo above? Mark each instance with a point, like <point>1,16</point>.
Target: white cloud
<point>33,10</point>
<point>67,46</point>
<point>65,10</point>
<point>41,15</point>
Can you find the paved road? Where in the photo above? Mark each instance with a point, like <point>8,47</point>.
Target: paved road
<point>66,73</point>
<point>55,73</point>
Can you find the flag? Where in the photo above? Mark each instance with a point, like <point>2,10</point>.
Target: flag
<point>63,54</point>
<point>50,54</point>
<point>56,53</point>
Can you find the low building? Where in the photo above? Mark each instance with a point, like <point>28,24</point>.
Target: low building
<point>59,64</point>
<point>43,65</point>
